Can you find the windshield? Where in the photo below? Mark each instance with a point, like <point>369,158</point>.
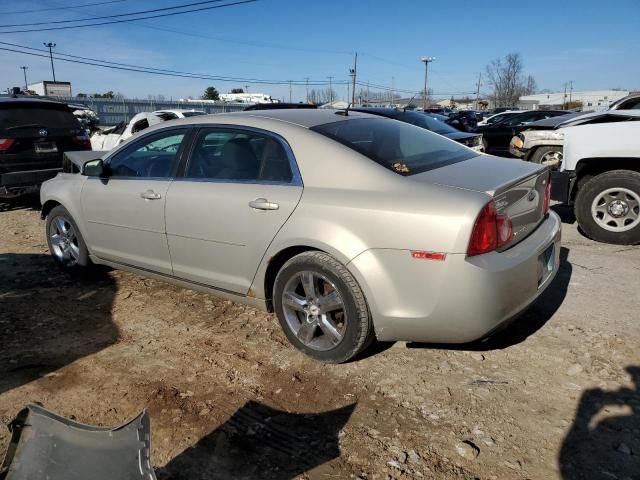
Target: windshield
<point>23,115</point>
<point>193,114</point>
<point>398,146</point>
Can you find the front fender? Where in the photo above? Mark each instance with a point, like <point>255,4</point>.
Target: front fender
<point>65,189</point>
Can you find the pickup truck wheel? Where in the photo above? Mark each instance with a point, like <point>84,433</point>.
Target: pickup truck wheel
<point>550,156</point>
<point>321,308</point>
<point>607,207</point>
<point>65,242</point>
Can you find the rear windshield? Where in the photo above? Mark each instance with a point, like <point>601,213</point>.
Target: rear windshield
<point>24,115</point>
<point>431,123</point>
<point>400,147</point>
<point>193,114</point>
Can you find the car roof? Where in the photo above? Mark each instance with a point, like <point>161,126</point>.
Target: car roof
<point>29,100</point>
<point>384,111</point>
<point>177,110</point>
<point>303,117</point>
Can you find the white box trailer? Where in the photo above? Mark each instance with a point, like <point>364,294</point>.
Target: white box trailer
<point>52,89</point>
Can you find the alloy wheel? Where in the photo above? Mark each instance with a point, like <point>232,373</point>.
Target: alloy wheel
<point>314,310</point>
<point>64,241</point>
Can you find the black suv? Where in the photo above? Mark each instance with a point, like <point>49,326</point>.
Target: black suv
<point>34,133</point>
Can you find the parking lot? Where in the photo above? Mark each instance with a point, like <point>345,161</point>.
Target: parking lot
<point>230,398</point>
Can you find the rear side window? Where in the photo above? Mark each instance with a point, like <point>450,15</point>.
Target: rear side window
<point>402,148</point>
<point>13,117</point>
<point>238,155</point>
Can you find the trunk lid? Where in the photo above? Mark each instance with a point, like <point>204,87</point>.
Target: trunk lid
<point>517,187</point>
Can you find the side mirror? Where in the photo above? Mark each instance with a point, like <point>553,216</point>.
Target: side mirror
<point>94,168</point>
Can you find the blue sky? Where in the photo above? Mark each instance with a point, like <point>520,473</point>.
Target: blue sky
<point>593,43</point>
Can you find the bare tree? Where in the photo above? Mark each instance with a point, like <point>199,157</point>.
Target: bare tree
<point>506,77</point>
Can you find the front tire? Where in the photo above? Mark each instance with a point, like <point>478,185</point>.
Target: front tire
<point>321,308</point>
<point>550,156</point>
<point>65,242</point>
<point>607,207</point>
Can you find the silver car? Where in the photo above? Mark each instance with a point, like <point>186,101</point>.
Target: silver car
<point>348,226</point>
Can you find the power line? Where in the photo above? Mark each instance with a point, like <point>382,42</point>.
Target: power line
<point>111,22</point>
<point>141,12</point>
<point>32,11</point>
<point>157,71</point>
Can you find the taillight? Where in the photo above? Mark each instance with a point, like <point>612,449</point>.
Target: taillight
<point>547,198</point>
<point>82,140</point>
<point>5,144</point>
<point>491,231</point>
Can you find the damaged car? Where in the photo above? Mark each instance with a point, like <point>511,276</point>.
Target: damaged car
<point>109,138</point>
<point>543,141</point>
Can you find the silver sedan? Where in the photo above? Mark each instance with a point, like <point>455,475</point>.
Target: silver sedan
<point>349,227</point>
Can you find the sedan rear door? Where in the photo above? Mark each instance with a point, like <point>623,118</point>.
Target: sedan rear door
<point>239,187</point>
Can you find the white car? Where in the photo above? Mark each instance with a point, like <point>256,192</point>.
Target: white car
<point>172,114</point>
<point>114,136</point>
<point>600,176</point>
<point>498,117</point>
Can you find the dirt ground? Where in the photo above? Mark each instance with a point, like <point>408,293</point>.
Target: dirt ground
<point>553,396</point>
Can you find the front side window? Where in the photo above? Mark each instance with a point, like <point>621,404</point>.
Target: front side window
<point>402,148</point>
<point>227,154</point>
<point>154,157</point>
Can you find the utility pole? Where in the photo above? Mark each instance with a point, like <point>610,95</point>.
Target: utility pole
<point>24,70</point>
<point>331,90</point>
<point>564,98</point>
<point>393,86</point>
<point>570,90</point>
<point>307,79</point>
<point>246,89</point>
<point>289,91</point>
<point>353,72</point>
<point>478,90</point>
<point>426,61</point>
<point>51,46</point>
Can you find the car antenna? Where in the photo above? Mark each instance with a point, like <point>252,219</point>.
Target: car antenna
<point>410,100</point>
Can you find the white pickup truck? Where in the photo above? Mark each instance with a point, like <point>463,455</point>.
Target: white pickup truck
<point>600,176</point>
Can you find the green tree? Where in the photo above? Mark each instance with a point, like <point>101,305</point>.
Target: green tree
<point>210,93</point>
<point>237,90</point>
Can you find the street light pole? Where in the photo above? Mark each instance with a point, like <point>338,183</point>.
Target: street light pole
<point>51,46</point>
<point>426,61</point>
<point>24,70</point>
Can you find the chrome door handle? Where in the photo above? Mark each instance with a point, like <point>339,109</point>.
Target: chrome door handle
<point>263,204</point>
<point>150,195</point>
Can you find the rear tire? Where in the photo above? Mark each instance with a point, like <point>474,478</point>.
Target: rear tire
<point>321,308</point>
<point>607,207</point>
<point>65,241</point>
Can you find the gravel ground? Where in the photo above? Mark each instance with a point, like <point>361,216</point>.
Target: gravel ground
<point>553,396</point>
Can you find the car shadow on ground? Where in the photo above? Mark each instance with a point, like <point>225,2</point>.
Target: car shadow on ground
<point>532,320</point>
<point>565,212</point>
<point>604,439</point>
<point>24,202</point>
<point>262,442</point>
<point>48,318</point>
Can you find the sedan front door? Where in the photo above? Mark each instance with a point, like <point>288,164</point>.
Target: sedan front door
<point>124,210</point>
<point>239,187</point>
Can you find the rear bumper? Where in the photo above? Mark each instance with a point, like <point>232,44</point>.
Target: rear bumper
<point>16,183</point>
<point>460,299</point>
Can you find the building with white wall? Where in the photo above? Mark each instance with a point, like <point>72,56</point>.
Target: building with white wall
<point>591,99</point>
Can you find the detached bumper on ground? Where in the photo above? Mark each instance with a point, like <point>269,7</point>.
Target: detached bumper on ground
<point>45,445</point>
<point>460,299</point>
